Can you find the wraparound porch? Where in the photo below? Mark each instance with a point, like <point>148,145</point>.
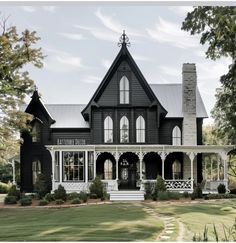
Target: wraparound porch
<point>76,166</point>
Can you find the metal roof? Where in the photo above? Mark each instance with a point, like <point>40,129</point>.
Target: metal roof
<point>170,96</point>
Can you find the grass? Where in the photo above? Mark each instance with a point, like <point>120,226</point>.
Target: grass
<point>111,222</point>
<point>195,216</point>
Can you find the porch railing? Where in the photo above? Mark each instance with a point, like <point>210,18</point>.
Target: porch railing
<point>210,185</point>
<point>110,185</point>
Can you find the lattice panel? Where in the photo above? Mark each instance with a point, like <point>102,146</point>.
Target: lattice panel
<point>178,184</point>
<point>73,186</point>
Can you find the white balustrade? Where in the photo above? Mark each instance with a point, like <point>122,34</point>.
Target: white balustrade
<point>110,185</point>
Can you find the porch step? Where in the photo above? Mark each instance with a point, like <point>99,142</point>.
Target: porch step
<point>126,195</point>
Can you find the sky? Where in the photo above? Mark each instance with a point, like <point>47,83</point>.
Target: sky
<point>80,43</point>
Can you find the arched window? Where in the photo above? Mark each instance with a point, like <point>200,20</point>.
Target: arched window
<point>124,130</point>
<point>124,90</point>
<point>108,130</point>
<point>140,130</point>
<point>108,170</point>
<point>36,170</point>
<point>176,170</point>
<point>176,136</point>
<point>36,132</point>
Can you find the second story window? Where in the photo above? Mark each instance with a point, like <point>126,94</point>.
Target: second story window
<point>108,130</point>
<point>176,136</point>
<point>124,130</point>
<point>140,130</point>
<point>124,90</point>
<point>36,132</point>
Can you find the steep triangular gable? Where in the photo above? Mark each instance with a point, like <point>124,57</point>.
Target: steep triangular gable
<point>36,101</point>
<point>123,54</point>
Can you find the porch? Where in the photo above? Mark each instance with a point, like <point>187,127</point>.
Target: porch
<point>129,167</point>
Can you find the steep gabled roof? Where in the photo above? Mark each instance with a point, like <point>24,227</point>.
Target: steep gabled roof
<point>123,54</point>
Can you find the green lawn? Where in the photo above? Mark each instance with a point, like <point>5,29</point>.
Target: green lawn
<point>110,222</point>
<point>196,215</point>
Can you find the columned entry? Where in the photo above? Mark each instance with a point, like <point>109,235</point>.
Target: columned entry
<point>128,171</point>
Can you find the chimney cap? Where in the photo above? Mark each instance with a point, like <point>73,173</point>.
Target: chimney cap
<point>189,67</point>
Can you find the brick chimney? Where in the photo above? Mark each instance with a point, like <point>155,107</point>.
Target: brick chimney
<point>189,86</point>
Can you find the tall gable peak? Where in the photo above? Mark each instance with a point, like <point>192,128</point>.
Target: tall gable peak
<point>124,40</point>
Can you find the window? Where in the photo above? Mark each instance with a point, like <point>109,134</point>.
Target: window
<point>73,166</point>
<point>108,130</point>
<point>124,130</point>
<point>36,132</point>
<point>56,166</point>
<point>124,90</point>
<point>36,170</point>
<point>90,166</point>
<point>176,136</point>
<point>140,130</point>
<point>108,170</point>
<point>176,170</point>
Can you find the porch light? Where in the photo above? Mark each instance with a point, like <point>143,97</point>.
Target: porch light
<point>124,162</point>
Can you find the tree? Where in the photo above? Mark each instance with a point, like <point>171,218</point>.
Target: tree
<point>16,52</point>
<point>217,26</point>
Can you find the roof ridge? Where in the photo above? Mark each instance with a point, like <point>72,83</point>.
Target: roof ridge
<point>166,84</point>
<point>65,104</point>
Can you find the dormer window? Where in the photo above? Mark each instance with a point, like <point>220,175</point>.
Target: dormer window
<point>36,132</point>
<point>124,90</point>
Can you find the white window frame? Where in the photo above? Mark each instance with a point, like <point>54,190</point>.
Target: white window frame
<point>124,90</point>
<point>140,130</point>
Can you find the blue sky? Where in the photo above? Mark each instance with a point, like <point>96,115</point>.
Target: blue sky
<point>80,43</point>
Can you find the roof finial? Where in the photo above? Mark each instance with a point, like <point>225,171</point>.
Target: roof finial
<point>124,40</point>
<point>35,88</point>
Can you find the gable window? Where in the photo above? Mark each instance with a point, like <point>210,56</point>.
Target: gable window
<point>108,171</point>
<point>36,132</point>
<point>124,130</point>
<point>124,90</point>
<point>140,130</point>
<point>176,170</point>
<point>36,170</point>
<point>108,130</point>
<point>176,136</point>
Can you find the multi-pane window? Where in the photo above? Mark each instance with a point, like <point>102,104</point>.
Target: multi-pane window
<point>56,166</point>
<point>73,166</point>
<point>176,136</point>
<point>36,132</point>
<point>36,170</point>
<point>176,170</point>
<point>108,170</point>
<point>108,130</point>
<point>140,130</point>
<point>124,130</point>
<point>124,90</point>
<point>90,166</point>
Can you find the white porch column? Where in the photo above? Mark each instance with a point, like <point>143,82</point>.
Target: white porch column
<point>140,155</point>
<point>86,167</point>
<point>13,172</point>
<point>218,169</point>
<point>52,152</point>
<point>94,164</point>
<point>163,157</point>
<point>60,167</point>
<point>191,156</point>
<point>117,158</point>
<point>224,157</point>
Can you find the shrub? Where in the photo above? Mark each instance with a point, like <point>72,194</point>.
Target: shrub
<point>59,202</point>
<point>193,196</point>
<point>10,200</point>
<point>221,196</point>
<point>60,193</point>
<point>185,194</point>
<point>221,189</point>
<point>206,197</point>
<point>93,196</point>
<point>159,187</point>
<point>76,201</point>
<point>83,196</point>
<point>14,192</point>
<point>40,186</point>
<point>43,202</point>
<point>163,195</point>
<point>105,196</point>
<point>25,201</point>
<point>72,195</point>
<point>49,197</point>
<point>97,187</point>
<point>148,190</point>
<point>4,188</point>
<point>233,191</point>
<point>198,191</point>
<point>174,195</point>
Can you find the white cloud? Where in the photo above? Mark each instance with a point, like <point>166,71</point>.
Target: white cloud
<point>28,9</point>
<point>91,79</point>
<point>140,58</point>
<point>50,9</point>
<point>171,33</point>
<point>106,63</point>
<point>70,60</point>
<point>71,36</point>
<point>181,10</point>
<point>171,71</point>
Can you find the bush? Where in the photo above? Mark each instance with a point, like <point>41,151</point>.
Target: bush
<point>40,186</point>
<point>233,191</point>
<point>14,192</point>
<point>221,189</point>
<point>174,195</point>
<point>49,197</point>
<point>105,196</point>
<point>4,188</point>
<point>83,196</point>
<point>43,202</point>
<point>159,187</point>
<point>198,191</point>
<point>93,196</point>
<point>221,196</point>
<point>163,195</point>
<point>10,200</point>
<point>186,195</point>
<point>97,187</point>
<point>72,195</point>
<point>25,201</point>
<point>59,202</point>
<point>148,190</point>
<point>193,196</point>
<point>76,201</point>
<point>60,193</point>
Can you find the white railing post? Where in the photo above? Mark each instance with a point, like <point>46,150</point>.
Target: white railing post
<point>191,156</point>
<point>224,157</point>
<point>86,167</point>
<point>94,164</point>
<point>60,167</point>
